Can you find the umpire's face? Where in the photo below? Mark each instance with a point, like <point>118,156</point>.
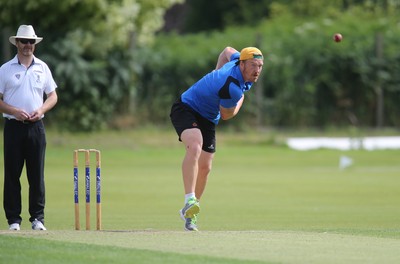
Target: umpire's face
<point>251,69</point>
<point>25,49</point>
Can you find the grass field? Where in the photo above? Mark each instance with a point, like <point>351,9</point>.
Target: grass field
<point>264,203</point>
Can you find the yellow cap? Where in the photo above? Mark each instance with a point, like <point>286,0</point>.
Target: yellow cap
<point>250,53</point>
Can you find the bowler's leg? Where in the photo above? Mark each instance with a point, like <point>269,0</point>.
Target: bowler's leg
<point>204,168</point>
<point>193,141</point>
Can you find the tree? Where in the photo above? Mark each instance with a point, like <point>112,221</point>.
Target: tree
<point>90,46</point>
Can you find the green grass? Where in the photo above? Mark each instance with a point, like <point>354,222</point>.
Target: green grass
<point>46,251</point>
<point>264,203</point>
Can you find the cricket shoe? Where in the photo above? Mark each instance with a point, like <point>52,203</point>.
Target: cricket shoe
<point>191,224</point>
<point>191,208</point>
<point>14,226</point>
<point>37,225</point>
<point>189,214</point>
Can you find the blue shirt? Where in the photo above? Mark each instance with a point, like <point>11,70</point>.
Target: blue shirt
<point>224,87</point>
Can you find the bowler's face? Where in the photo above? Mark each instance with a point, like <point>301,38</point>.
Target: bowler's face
<point>251,69</point>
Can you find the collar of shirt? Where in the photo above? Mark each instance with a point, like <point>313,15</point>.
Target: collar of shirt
<point>245,86</point>
<point>16,61</point>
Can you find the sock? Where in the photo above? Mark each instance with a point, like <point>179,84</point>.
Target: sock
<point>189,196</point>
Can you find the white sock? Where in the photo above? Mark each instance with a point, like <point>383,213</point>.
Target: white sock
<point>189,196</point>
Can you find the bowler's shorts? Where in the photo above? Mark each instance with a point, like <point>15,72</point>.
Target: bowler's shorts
<point>184,117</point>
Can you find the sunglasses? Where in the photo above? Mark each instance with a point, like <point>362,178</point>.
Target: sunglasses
<point>26,41</point>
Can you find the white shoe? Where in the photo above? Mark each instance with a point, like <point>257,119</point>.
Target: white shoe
<point>14,226</point>
<point>37,225</point>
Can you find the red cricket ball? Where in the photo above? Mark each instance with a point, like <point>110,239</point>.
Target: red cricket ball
<point>337,37</point>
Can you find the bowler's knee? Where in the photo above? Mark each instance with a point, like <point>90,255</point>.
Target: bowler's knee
<point>194,149</point>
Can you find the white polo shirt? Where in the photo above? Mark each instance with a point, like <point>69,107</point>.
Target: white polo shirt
<point>24,87</point>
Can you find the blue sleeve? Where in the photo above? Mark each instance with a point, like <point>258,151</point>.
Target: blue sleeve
<point>235,56</point>
<point>235,94</point>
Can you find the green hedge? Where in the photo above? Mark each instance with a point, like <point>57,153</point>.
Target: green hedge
<point>307,80</point>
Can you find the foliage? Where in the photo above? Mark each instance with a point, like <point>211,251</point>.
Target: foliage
<point>90,46</point>
<point>96,25</point>
<point>224,14</point>
<point>89,89</point>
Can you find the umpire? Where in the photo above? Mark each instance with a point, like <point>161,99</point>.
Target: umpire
<point>25,81</point>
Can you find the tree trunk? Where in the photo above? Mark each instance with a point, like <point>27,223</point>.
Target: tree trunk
<point>5,33</point>
<point>378,86</point>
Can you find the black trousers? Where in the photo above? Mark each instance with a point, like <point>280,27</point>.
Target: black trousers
<point>24,143</point>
